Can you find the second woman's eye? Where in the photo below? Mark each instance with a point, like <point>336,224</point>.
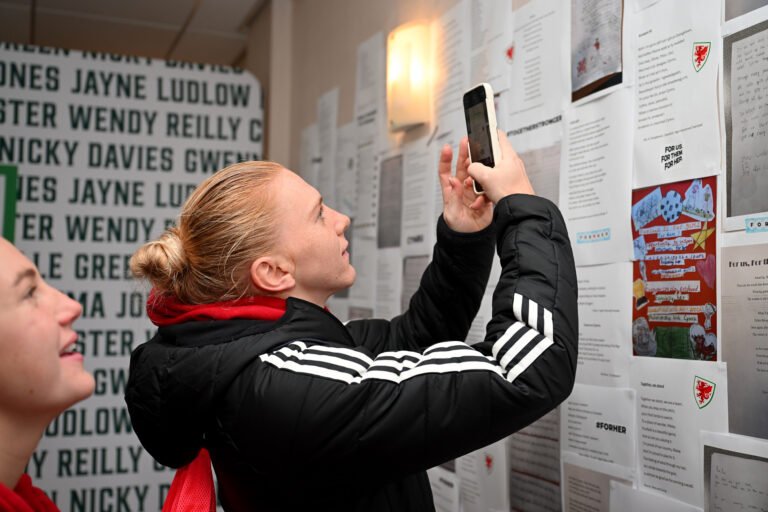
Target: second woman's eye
<point>31,292</point>
<point>320,213</point>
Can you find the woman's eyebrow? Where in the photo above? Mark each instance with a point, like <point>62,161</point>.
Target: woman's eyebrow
<point>24,274</point>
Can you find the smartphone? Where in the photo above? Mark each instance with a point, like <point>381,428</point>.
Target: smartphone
<point>480,115</point>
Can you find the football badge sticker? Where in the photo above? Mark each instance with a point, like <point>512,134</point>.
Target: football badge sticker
<point>489,463</point>
<point>700,54</point>
<point>703,391</point>
<point>510,53</point>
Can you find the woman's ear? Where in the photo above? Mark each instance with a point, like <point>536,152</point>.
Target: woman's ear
<point>272,274</point>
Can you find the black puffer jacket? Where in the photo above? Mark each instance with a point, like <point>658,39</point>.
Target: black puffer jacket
<point>306,413</point>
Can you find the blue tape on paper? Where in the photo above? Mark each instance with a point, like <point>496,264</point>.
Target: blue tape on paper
<point>590,237</point>
<point>756,224</point>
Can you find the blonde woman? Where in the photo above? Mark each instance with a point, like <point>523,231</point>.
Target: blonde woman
<point>301,412</point>
<point>41,374</point>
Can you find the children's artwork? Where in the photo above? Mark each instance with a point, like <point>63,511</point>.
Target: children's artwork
<point>639,247</point>
<point>671,206</point>
<point>674,311</point>
<point>647,209</point>
<point>699,201</point>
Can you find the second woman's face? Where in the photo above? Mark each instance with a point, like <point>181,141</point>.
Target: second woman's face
<point>39,374</point>
<point>312,236</point>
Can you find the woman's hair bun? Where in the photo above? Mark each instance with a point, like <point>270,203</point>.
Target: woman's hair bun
<point>161,261</point>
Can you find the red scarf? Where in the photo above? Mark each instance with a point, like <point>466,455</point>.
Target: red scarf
<point>168,310</point>
<point>192,489</point>
<point>25,497</point>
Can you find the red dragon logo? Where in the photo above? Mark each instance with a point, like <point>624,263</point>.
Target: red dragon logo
<point>700,54</point>
<point>489,463</point>
<point>703,391</point>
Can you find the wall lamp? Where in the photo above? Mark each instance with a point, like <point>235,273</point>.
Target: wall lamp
<point>409,76</point>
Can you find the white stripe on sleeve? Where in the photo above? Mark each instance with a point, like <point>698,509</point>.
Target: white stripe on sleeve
<point>548,325</point>
<point>529,358</point>
<point>511,330</point>
<point>453,357</point>
<point>517,307</point>
<point>548,329</point>
<point>517,348</point>
<point>533,315</point>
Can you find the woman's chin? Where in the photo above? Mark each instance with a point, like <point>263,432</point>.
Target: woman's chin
<point>82,386</point>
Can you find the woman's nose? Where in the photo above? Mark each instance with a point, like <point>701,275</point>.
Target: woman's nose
<point>342,222</point>
<point>70,309</point>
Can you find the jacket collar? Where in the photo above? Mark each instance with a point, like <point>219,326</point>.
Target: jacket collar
<point>302,321</point>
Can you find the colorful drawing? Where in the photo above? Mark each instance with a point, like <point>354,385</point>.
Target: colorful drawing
<point>675,271</point>
<point>647,209</point>
<point>699,201</point>
<point>671,206</point>
<point>673,342</point>
<point>640,248</point>
<point>700,237</point>
<point>638,289</point>
<point>707,270</point>
<point>703,344</point>
<point>709,310</point>
<point>643,339</point>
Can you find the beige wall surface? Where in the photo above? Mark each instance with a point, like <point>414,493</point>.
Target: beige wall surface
<point>326,34</point>
<point>258,57</point>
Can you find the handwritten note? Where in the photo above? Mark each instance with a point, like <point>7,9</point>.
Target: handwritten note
<point>750,67</point>
<point>738,483</point>
<point>749,117</point>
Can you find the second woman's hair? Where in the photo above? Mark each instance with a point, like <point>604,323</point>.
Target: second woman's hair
<point>227,223</point>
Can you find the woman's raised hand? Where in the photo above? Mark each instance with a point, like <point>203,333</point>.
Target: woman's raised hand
<point>506,178</point>
<point>463,210</point>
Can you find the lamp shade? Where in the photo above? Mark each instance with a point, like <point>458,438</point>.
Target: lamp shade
<point>408,76</point>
